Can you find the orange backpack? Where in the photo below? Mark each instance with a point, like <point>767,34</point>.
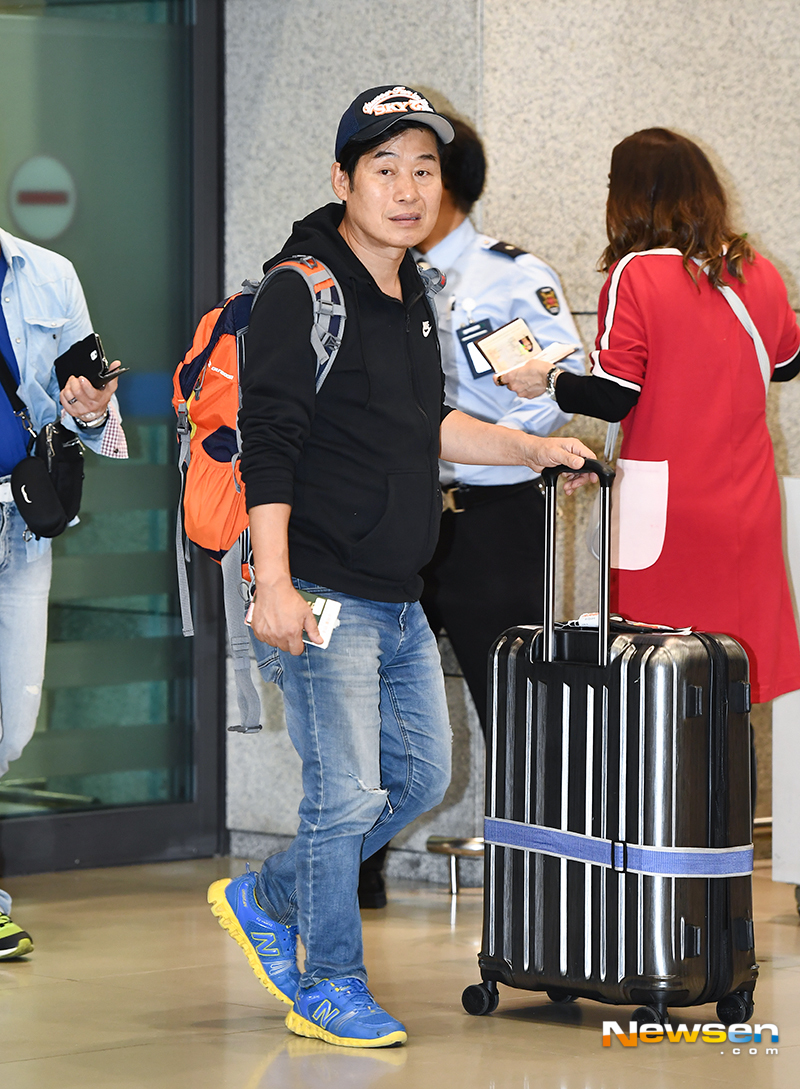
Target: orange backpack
<point>206,398</point>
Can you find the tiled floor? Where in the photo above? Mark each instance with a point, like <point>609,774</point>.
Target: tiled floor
<point>134,985</point>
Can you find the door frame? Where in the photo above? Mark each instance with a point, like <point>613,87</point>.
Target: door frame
<point>179,830</point>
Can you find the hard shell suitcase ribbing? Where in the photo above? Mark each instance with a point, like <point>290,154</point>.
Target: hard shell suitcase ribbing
<point>618,827</point>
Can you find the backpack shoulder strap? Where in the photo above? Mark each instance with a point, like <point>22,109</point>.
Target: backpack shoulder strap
<point>329,310</point>
<point>433,280</point>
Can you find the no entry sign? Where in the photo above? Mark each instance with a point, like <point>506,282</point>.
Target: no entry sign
<point>42,198</point>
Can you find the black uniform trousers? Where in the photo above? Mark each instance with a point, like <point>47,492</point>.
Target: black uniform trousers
<point>486,575</point>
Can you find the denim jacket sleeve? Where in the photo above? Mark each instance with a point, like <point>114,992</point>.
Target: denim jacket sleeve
<point>46,313</point>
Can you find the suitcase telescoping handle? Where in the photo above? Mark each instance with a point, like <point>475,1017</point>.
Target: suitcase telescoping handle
<point>605,475</point>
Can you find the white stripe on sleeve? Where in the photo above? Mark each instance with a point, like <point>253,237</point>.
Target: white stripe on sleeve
<point>598,372</point>
<point>791,359</point>
<point>611,310</point>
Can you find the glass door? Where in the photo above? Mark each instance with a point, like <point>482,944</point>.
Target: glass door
<point>99,161</point>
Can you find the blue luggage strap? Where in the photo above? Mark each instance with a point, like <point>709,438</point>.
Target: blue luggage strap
<point>620,856</point>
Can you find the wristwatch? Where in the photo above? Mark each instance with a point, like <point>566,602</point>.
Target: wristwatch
<point>550,388</point>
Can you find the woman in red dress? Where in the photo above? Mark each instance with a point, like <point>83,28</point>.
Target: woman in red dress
<point>697,512</point>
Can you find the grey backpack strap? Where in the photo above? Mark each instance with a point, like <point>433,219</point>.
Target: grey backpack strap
<point>239,637</point>
<point>327,298</point>
<point>433,280</point>
<point>182,553</point>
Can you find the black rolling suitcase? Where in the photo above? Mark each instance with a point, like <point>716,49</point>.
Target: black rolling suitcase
<point>618,827</point>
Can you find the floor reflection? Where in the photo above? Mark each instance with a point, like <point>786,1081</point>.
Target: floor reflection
<point>301,1063</point>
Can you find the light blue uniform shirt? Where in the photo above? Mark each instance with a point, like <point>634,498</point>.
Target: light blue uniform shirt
<point>487,284</point>
<point>45,313</point>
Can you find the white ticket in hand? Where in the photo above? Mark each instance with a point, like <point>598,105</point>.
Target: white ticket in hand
<point>326,613</point>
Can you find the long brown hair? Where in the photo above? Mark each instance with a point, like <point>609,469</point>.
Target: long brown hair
<point>663,192</point>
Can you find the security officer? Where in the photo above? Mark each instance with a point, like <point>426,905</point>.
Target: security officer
<point>487,573</point>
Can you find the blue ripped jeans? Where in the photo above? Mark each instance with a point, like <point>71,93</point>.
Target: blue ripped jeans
<point>369,720</point>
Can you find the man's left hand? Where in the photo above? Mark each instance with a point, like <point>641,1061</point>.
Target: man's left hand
<point>81,400</point>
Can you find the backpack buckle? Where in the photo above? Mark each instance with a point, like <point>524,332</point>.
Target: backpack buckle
<point>330,342</point>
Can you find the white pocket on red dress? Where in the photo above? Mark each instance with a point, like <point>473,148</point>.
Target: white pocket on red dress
<point>638,513</point>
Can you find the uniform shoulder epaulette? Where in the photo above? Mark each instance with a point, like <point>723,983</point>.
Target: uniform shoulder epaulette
<point>507,249</point>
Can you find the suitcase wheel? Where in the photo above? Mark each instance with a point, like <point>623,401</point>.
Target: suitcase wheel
<point>736,1008</point>
<point>555,994</point>
<point>480,999</point>
<point>649,1015</point>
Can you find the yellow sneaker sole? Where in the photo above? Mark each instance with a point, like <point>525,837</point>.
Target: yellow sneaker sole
<point>228,921</point>
<point>25,946</point>
<point>303,1027</point>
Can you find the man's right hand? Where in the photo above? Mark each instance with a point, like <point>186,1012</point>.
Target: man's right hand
<point>280,615</point>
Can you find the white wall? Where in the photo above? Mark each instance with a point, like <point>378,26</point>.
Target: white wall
<point>564,80</point>
<point>292,70</point>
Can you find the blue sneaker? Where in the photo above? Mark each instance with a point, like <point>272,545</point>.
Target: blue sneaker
<point>342,1011</point>
<point>270,947</point>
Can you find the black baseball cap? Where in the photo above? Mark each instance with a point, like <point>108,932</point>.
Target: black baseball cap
<point>376,110</point>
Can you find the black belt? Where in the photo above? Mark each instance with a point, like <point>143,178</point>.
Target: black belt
<point>460,497</point>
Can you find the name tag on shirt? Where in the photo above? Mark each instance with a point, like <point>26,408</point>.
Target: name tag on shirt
<point>467,335</point>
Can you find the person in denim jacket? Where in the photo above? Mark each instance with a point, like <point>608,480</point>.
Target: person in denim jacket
<point>42,314</point>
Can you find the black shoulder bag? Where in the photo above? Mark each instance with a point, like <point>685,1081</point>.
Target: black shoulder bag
<point>47,484</point>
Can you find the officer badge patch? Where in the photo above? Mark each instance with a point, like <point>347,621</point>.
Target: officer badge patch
<point>549,300</point>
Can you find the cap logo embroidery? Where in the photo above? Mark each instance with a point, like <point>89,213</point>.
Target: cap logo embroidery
<point>381,105</point>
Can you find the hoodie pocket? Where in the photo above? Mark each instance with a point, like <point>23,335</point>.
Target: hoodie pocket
<point>399,544</point>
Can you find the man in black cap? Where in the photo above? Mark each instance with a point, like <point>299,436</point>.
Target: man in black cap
<point>344,503</point>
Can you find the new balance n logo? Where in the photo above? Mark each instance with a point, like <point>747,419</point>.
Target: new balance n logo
<point>266,944</point>
<point>324,1012</point>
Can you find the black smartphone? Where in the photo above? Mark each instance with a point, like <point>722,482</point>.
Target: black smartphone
<point>86,358</point>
